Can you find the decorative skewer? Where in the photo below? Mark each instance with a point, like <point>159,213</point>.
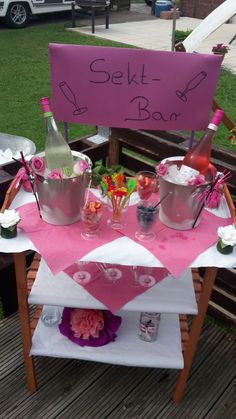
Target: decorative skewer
<point>25,165</point>
<point>219,179</point>
<point>162,199</point>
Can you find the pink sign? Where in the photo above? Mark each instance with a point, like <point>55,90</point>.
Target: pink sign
<point>132,88</point>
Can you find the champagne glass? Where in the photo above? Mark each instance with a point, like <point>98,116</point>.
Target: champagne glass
<point>134,281</point>
<point>142,277</point>
<point>82,276</point>
<point>91,215</point>
<point>117,220</point>
<point>146,184</point>
<point>146,279</point>
<point>111,272</point>
<point>146,217</point>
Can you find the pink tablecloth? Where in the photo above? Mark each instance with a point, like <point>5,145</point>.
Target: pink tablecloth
<point>176,249</point>
<point>115,295</point>
<point>60,246</point>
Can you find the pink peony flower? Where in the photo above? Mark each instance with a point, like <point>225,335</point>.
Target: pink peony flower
<point>86,323</point>
<point>162,169</point>
<point>38,164</point>
<point>197,180</point>
<point>80,167</point>
<point>55,174</point>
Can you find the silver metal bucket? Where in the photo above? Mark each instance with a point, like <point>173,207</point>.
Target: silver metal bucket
<point>60,201</point>
<point>179,210</point>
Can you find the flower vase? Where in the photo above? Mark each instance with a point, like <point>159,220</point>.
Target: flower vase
<point>225,250</point>
<point>9,233</point>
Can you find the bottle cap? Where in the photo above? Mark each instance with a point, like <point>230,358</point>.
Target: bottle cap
<point>218,115</point>
<point>45,104</point>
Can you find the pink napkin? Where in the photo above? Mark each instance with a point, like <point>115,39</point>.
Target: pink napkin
<point>176,249</point>
<point>114,295</point>
<point>60,246</point>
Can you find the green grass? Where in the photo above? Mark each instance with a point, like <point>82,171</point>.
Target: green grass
<point>25,78</point>
<point>24,70</point>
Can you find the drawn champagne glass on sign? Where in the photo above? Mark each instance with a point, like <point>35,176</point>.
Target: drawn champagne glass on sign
<point>191,85</point>
<point>70,96</point>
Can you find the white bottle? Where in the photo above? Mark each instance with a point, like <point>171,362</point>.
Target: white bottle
<point>58,154</point>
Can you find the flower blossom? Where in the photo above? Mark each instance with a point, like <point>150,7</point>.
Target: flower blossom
<point>86,323</point>
<point>38,164</point>
<point>162,169</point>
<point>196,180</point>
<point>80,167</point>
<point>9,218</point>
<point>227,235</point>
<point>55,174</point>
<point>220,48</point>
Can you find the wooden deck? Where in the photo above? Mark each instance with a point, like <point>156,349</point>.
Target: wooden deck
<point>79,389</point>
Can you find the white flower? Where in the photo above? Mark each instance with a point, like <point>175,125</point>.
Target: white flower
<point>227,235</point>
<point>9,218</point>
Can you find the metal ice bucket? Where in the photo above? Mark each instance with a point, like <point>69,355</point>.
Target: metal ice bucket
<point>61,200</point>
<point>179,210</point>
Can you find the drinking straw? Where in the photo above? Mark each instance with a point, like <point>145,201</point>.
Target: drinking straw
<point>219,179</point>
<point>88,189</point>
<point>162,199</point>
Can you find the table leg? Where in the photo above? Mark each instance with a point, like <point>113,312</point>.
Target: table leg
<point>107,17</point>
<point>208,282</point>
<point>73,15</point>
<point>93,20</point>
<point>24,316</point>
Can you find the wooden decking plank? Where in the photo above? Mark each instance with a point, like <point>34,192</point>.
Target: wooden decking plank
<point>110,389</point>
<point>206,387</point>
<point>152,379</point>
<point>225,406</point>
<point>57,391</point>
<point>14,392</point>
<point>153,396</point>
<point>147,397</point>
<point>87,390</point>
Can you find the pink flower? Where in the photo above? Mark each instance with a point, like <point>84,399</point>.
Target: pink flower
<point>86,323</point>
<point>22,174</point>
<point>213,200</point>
<point>162,169</point>
<point>196,180</point>
<point>27,186</point>
<point>80,167</point>
<point>55,174</point>
<point>38,164</point>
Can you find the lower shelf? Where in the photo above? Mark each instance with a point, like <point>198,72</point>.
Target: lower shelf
<point>128,349</point>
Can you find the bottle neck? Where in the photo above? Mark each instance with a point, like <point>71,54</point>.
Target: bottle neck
<point>50,122</point>
<point>212,127</point>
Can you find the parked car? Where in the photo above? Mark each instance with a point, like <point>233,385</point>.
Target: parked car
<point>17,13</point>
